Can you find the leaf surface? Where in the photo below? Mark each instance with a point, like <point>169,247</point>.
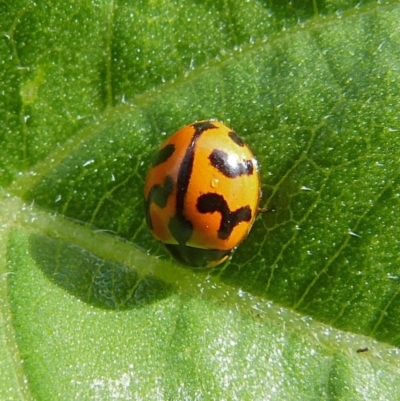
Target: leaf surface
<point>92,307</point>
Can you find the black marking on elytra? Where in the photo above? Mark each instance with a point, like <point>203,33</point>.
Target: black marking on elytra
<point>195,257</point>
<point>211,202</point>
<point>229,166</point>
<point>158,195</point>
<point>180,227</point>
<point>202,126</point>
<point>163,154</point>
<point>236,138</point>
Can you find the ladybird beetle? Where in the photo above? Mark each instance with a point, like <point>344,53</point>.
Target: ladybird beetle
<point>202,193</point>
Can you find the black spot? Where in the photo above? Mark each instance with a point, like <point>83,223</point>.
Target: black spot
<point>229,166</point>
<point>236,138</point>
<point>163,155</point>
<point>211,203</point>
<point>202,126</point>
<point>180,228</point>
<point>196,257</point>
<point>159,195</point>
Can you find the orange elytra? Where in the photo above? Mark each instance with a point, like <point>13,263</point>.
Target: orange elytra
<point>202,193</point>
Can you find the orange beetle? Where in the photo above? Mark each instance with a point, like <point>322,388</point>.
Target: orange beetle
<point>202,193</point>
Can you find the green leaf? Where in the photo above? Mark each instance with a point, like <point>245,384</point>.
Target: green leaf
<point>92,307</point>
